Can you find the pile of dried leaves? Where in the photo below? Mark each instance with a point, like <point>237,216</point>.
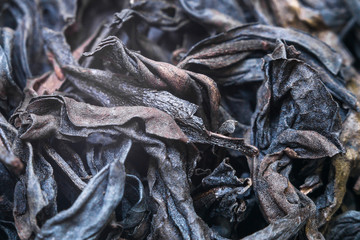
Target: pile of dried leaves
<point>165,119</point>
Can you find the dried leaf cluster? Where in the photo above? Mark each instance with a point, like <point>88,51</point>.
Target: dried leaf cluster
<point>165,119</point>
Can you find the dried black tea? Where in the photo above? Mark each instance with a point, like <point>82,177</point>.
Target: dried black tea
<point>165,119</point>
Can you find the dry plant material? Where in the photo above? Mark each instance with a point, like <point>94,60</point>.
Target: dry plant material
<point>165,119</point>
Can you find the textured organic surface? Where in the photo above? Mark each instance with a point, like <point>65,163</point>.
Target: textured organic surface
<point>179,119</point>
